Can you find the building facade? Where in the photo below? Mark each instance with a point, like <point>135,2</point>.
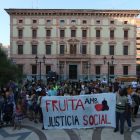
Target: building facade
<point>74,37</point>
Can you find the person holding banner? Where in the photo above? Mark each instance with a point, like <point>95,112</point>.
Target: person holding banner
<point>52,92</point>
<point>121,110</point>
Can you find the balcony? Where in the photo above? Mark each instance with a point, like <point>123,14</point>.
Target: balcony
<point>20,37</point>
<point>48,37</point>
<point>97,38</point>
<point>62,38</point>
<point>111,38</point>
<point>125,38</point>
<point>74,56</point>
<point>84,38</point>
<point>34,37</point>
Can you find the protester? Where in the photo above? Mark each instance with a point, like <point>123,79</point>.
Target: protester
<point>110,85</point>
<point>2,100</point>
<point>122,85</point>
<point>134,84</point>
<point>12,85</point>
<point>116,85</point>
<point>66,92</point>
<point>121,110</point>
<point>104,81</point>
<point>74,92</point>
<point>52,92</point>
<point>61,93</point>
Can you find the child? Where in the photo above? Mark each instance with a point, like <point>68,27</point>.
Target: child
<point>18,115</point>
<point>121,109</point>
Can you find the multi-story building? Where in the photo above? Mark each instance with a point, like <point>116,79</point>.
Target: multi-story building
<point>74,37</point>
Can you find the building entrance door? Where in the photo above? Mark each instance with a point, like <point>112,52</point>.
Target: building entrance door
<point>72,71</point>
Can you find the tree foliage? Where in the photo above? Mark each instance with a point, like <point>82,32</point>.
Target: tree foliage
<point>8,71</point>
<point>138,67</point>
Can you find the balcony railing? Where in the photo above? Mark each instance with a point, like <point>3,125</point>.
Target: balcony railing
<point>34,37</point>
<point>48,37</point>
<point>111,38</point>
<point>125,38</point>
<point>20,37</point>
<point>98,38</point>
<point>84,38</point>
<point>73,55</point>
<point>62,37</point>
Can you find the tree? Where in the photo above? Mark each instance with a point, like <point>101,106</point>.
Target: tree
<point>138,67</point>
<point>8,71</point>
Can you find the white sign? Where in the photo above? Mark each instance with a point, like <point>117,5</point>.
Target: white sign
<point>85,111</point>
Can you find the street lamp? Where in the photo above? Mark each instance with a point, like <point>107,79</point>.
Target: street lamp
<point>87,66</point>
<point>60,66</point>
<point>112,60</point>
<point>36,59</point>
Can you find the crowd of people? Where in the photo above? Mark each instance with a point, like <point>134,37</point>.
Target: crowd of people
<point>27,97</point>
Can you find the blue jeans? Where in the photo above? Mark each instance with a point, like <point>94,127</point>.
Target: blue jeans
<point>121,117</point>
<point>128,119</point>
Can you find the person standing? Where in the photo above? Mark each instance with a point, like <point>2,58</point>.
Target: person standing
<point>104,81</point>
<point>52,92</point>
<point>134,84</point>
<point>110,85</point>
<point>116,85</point>
<point>121,110</point>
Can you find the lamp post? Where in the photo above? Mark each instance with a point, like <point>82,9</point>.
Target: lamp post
<point>60,65</point>
<point>112,60</point>
<point>87,66</point>
<point>36,59</point>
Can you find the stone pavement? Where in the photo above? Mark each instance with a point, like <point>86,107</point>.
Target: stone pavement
<point>32,131</point>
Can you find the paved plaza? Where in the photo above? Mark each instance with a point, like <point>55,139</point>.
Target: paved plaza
<point>32,131</point>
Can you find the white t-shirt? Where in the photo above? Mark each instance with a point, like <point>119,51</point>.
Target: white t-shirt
<point>104,82</point>
<point>134,84</point>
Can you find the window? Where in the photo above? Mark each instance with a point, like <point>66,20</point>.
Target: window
<point>125,51</point>
<point>48,68</point>
<point>138,59</point>
<point>98,70</point>
<point>62,49</point>
<point>84,33</point>
<point>34,69</point>
<point>34,34</point>
<point>125,34</point>
<point>34,21</point>
<point>48,21</point>
<point>20,34</point>
<point>73,22</point>
<point>48,33</point>
<point>111,34</point>
<point>73,33</point>
<point>138,28</point>
<point>20,21</point>
<point>125,70</point>
<point>111,50</point>
<point>84,22</point>
<point>48,49</point>
<point>138,38</point>
<point>61,33</point>
<point>98,22</point>
<point>20,49</point>
<point>138,48</point>
<point>84,49</point>
<point>62,21</point>
<point>98,33</point>
<point>137,43</point>
<point>34,49</point>
<point>97,50</point>
<point>111,70</point>
<point>125,22</point>
<point>21,68</point>
<point>111,22</point>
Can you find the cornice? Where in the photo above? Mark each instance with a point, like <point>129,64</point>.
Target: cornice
<point>34,42</point>
<point>98,43</point>
<point>20,42</point>
<point>98,28</point>
<point>112,28</point>
<point>62,27</point>
<point>73,12</point>
<point>62,42</point>
<point>126,28</point>
<point>20,27</point>
<point>126,43</point>
<point>84,42</point>
<point>84,27</point>
<point>73,27</point>
<point>34,27</point>
<point>48,27</point>
<point>73,40</point>
<point>112,43</point>
<point>48,42</point>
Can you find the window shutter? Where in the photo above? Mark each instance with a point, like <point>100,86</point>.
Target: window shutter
<point>48,68</point>
<point>61,33</point>
<point>97,50</point>
<point>125,50</point>
<point>48,49</point>
<point>34,69</point>
<point>34,49</point>
<point>84,33</point>
<point>111,50</point>
<point>111,33</point>
<point>111,70</point>
<point>84,49</point>
<point>97,33</point>
<point>97,69</point>
<point>125,33</point>
<point>20,49</point>
<point>62,49</point>
<point>125,70</point>
<point>48,33</point>
<point>73,33</point>
<point>34,34</point>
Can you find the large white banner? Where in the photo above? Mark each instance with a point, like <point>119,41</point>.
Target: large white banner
<point>85,111</point>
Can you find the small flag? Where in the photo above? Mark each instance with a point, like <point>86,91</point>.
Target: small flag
<point>73,41</point>
<point>66,48</point>
<point>80,48</point>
